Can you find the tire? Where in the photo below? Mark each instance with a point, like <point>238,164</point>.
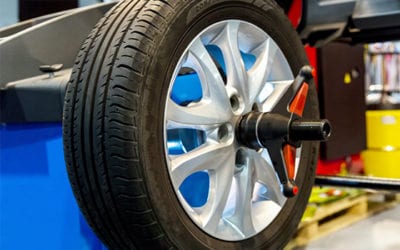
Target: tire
<point>116,117</point>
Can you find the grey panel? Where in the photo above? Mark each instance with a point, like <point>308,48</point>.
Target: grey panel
<point>18,27</point>
<point>373,14</point>
<point>54,41</point>
<point>329,11</point>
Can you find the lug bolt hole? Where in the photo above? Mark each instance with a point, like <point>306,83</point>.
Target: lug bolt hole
<point>235,102</point>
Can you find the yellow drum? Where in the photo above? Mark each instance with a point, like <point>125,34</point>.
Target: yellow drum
<point>382,158</point>
<point>382,163</point>
<point>383,129</point>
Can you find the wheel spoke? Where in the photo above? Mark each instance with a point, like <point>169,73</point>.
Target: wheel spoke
<point>242,218</point>
<point>282,78</point>
<point>220,185</point>
<point>265,174</point>
<point>214,107</point>
<point>227,41</point>
<point>202,113</point>
<point>279,90</point>
<point>212,83</point>
<point>209,156</point>
<point>257,75</point>
<point>207,128</point>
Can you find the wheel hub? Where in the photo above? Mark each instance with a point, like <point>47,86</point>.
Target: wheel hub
<point>256,129</point>
<point>280,134</point>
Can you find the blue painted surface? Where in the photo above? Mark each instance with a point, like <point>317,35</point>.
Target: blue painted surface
<point>37,208</point>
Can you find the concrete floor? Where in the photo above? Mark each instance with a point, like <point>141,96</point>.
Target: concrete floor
<point>379,232</point>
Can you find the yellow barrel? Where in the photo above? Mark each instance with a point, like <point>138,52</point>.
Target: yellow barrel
<point>383,129</point>
<point>382,157</point>
<point>382,163</point>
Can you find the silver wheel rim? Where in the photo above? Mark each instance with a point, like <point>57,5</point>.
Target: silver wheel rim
<point>243,192</point>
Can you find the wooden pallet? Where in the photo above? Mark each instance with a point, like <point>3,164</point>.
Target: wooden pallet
<point>332,217</point>
<point>380,201</point>
<point>340,214</point>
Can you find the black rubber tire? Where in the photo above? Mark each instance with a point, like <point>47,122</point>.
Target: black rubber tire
<point>113,123</point>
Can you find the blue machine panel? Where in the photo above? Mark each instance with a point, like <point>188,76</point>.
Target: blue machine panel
<point>37,207</point>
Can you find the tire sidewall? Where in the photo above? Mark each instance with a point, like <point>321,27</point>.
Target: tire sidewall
<point>184,26</point>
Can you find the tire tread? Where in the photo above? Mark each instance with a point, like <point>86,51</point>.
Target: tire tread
<point>97,99</point>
